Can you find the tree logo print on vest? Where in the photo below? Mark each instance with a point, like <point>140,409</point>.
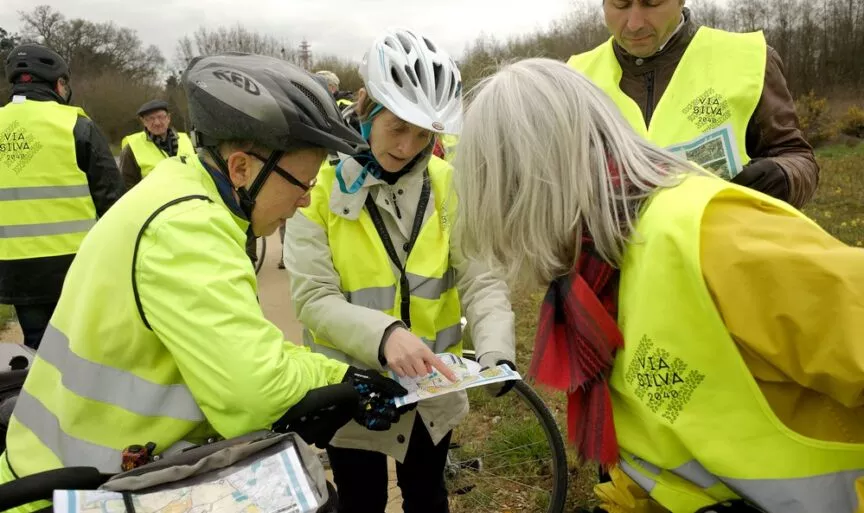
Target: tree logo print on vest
<point>664,382</point>
<point>708,110</point>
<point>17,147</point>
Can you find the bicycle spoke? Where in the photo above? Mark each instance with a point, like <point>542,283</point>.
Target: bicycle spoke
<point>520,463</point>
<point>488,455</point>
<point>477,501</point>
<point>502,478</point>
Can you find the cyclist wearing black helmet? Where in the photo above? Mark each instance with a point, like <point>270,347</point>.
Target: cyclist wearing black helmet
<point>158,335</point>
<point>57,176</point>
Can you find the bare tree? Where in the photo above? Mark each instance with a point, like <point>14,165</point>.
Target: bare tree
<point>93,48</point>
<point>231,39</point>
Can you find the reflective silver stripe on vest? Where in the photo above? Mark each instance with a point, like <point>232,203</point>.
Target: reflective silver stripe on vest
<point>70,450</point>
<point>694,472</point>
<point>650,467</point>
<point>48,192</point>
<point>384,298</point>
<point>376,298</point>
<point>41,229</point>
<point>831,492</point>
<point>432,288</point>
<point>445,338</point>
<point>114,386</point>
<point>644,482</point>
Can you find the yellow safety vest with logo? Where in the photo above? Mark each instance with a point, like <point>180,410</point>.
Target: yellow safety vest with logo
<point>367,278</point>
<point>45,203</point>
<point>693,427</point>
<point>147,154</point>
<point>718,83</point>
<point>86,374</point>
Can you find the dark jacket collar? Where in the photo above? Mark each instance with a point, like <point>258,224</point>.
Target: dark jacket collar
<point>37,91</point>
<point>672,51</point>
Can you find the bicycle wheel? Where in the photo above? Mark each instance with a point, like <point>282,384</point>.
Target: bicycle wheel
<point>262,252</point>
<point>507,455</point>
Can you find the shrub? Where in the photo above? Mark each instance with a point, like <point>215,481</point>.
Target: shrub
<point>852,122</point>
<point>814,118</point>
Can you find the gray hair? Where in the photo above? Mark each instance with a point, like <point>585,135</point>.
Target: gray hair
<point>331,78</point>
<point>533,169</point>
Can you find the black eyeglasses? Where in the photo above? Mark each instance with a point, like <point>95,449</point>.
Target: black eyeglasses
<point>286,175</point>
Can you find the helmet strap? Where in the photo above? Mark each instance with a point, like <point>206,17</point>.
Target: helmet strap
<point>366,126</point>
<point>247,203</point>
<point>268,167</point>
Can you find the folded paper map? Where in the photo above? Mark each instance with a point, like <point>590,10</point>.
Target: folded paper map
<point>468,375</point>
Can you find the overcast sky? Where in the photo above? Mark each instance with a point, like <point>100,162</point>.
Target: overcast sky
<point>341,27</point>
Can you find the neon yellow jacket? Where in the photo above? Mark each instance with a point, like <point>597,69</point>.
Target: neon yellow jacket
<point>158,337</point>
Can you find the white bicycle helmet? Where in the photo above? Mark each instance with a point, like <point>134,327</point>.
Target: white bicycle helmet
<point>415,80</point>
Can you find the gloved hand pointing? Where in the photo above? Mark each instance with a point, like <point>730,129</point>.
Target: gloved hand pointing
<point>377,409</point>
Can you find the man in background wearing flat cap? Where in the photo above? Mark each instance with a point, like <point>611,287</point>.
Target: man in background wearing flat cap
<point>158,141</point>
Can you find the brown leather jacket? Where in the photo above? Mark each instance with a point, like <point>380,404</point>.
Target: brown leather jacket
<point>773,131</point>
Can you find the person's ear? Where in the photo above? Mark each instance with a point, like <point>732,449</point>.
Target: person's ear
<point>241,168</point>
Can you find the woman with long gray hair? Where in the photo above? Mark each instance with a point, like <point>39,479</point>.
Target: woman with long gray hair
<point>708,336</point>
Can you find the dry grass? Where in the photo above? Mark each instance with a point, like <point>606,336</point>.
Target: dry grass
<point>839,203</point>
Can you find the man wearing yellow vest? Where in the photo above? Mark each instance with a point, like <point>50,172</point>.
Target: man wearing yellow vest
<point>719,99</point>
<point>57,176</point>
<point>158,336</point>
<point>158,141</point>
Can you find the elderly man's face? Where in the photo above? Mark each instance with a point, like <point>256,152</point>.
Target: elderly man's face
<point>157,122</point>
<point>642,26</point>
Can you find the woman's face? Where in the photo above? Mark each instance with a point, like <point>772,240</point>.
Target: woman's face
<point>394,142</point>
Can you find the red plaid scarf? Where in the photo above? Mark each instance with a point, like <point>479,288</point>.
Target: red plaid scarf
<point>577,337</point>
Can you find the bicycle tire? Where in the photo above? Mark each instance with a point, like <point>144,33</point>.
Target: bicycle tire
<point>558,497</point>
<point>262,252</point>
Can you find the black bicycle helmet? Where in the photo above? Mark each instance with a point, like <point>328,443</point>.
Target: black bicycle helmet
<point>39,61</point>
<point>274,103</point>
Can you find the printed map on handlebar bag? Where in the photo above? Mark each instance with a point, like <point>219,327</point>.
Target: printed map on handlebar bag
<point>468,375</point>
<point>276,483</point>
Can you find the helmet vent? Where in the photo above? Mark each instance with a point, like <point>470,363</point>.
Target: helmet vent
<point>429,45</point>
<point>418,70</point>
<point>406,44</point>
<point>395,76</point>
<point>312,98</point>
<point>411,75</point>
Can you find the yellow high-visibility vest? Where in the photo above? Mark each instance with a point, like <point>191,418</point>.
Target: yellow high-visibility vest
<point>693,426</point>
<point>45,204</point>
<point>715,90</point>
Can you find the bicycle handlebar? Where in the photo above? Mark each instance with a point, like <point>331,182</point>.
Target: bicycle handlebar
<point>41,486</point>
